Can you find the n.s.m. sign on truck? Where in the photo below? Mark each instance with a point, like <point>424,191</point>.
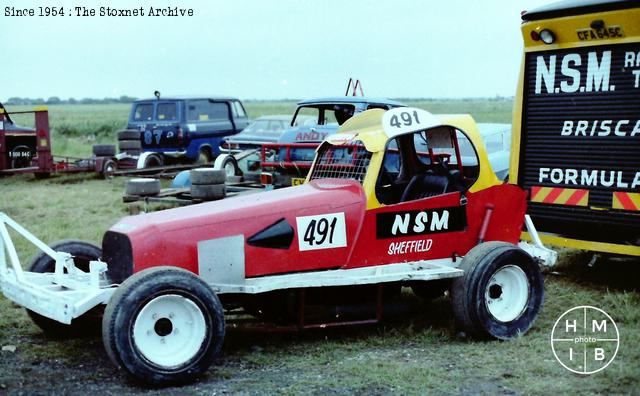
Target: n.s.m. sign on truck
<point>576,140</point>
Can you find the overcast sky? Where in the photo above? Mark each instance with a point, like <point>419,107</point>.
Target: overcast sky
<point>269,49</point>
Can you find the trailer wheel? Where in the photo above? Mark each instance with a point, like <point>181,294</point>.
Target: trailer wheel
<point>87,324</point>
<point>142,187</point>
<point>501,292</point>
<point>164,326</point>
<point>229,164</point>
<point>109,168</point>
<point>153,161</point>
<point>104,150</point>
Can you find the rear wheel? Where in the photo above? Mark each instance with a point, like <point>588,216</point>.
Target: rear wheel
<point>501,292</point>
<point>164,326</point>
<point>204,156</point>
<point>89,323</point>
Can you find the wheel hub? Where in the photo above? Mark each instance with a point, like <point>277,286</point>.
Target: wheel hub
<point>169,330</point>
<point>507,293</point>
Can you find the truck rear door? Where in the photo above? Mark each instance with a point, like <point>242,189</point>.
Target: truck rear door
<point>162,131</point>
<point>577,141</point>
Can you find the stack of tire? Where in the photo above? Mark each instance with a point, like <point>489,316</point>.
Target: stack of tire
<point>129,142</point>
<point>207,184</point>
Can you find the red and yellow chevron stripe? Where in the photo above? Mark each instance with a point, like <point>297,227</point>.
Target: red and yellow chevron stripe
<point>560,196</point>
<point>626,200</point>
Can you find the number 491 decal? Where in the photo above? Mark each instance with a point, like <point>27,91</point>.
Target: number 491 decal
<point>324,231</point>
<point>407,119</point>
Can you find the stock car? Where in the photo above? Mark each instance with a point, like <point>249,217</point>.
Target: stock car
<point>352,233</point>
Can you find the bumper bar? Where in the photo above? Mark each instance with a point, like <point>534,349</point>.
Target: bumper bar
<point>62,295</point>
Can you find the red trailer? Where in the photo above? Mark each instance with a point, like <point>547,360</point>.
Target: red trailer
<point>28,150</point>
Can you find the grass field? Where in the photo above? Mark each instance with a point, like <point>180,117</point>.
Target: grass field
<point>419,353</point>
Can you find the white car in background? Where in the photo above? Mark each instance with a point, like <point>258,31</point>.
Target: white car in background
<point>497,141</point>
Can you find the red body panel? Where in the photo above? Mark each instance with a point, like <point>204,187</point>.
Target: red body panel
<point>171,237</point>
<point>505,224</point>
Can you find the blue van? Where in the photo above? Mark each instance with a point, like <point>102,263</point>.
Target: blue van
<point>179,127</point>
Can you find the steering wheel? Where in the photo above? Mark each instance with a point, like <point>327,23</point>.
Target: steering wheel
<point>441,163</point>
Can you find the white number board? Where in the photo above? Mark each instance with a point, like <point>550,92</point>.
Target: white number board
<point>325,231</point>
<point>403,120</point>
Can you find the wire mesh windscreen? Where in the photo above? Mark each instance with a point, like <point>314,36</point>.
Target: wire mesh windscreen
<point>342,162</point>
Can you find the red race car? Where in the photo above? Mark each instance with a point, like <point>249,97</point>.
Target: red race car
<point>389,201</point>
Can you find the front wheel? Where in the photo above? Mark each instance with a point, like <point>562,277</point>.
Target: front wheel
<point>501,292</point>
<point>87,324</point>
<point>164,326</point>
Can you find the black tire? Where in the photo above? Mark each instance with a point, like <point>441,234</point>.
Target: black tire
<point>473,293</point>
<point>87,324</point>
<point>207,176</point>
<point>104,150</point>
<point>153,161</point>
<point>129,134</point>
<point>126,145</point>
<point>430,290</point>
<point>142,187</point>
<point>132,151</point>
<point>109,168</point>
<point>125,316</point>
<point>208,192</point>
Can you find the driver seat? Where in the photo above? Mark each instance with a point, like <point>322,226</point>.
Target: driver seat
<point>425,185</point>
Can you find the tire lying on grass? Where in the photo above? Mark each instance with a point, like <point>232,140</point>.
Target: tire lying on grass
<point>501,292</point>
<point>87,324</point>
<point>164,326</point>
<point>142,187</point>
<point>104,150</point>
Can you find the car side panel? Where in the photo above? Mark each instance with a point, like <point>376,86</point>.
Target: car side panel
<point>507,205</point>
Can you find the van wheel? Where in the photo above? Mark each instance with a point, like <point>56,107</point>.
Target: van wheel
<point>87,324</point>
<point>501,292</point>
<point>164,326</point>
<point>204,156</point>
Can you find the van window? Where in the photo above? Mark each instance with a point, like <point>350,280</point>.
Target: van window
<point>204,110</point>
<point>167,112</point>
<point>238,110</point>
<point>143,112</point>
